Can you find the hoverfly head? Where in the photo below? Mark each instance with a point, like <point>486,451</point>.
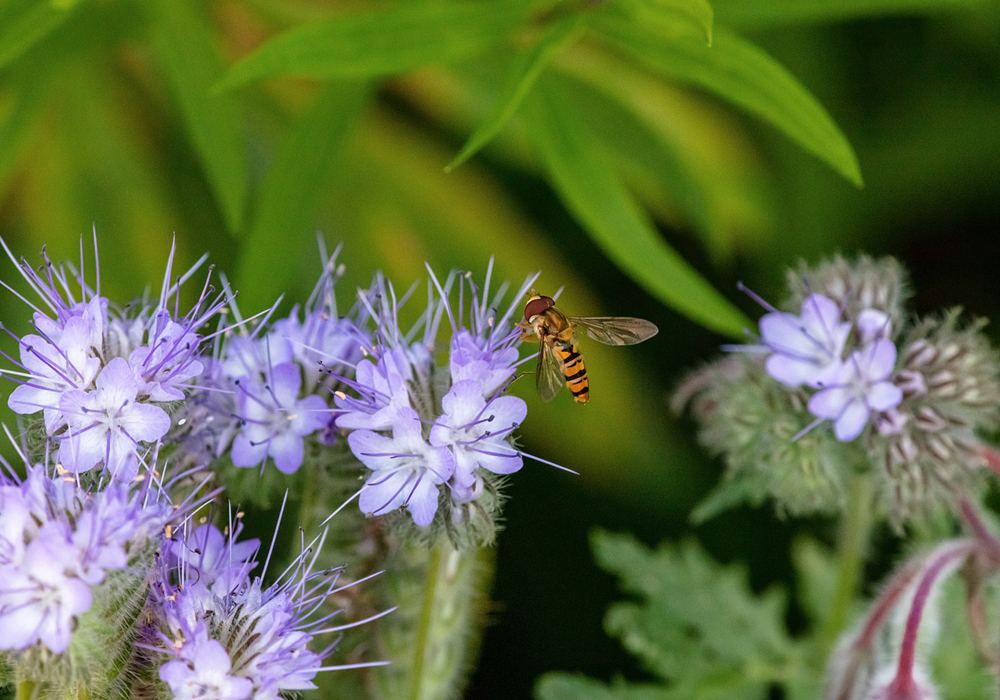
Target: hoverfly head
<point>536,305</point>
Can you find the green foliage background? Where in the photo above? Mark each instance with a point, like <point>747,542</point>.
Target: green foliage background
<point>645,154</point>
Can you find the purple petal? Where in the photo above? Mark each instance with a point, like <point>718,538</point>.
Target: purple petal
<point>375,451</point>
<point>246,453</point>
<point>829,403</point>
<point>883,396</point>
<point>878,360</point>
<point>424,502</point>
<point>851,422</point>
<point>287,450</point>
<point>384,493</point>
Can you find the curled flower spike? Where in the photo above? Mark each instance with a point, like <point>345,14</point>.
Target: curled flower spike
<point>101,375</point>
<point>269,389</point>
<point>225,631</point>
<point>451,426</point>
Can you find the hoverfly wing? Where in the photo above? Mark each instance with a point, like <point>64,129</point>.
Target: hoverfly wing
<point>616,330</point>
<point>548,373</point>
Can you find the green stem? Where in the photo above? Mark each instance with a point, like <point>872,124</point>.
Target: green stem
<point>433,637</point>
<point>852,544</point>
<point>25,689</point>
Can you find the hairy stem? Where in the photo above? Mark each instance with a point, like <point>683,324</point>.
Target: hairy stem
<point>852,544</point>
<point>433,637</point>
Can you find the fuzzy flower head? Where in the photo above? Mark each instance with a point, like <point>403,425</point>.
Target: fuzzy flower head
<point>270,386</point>
<point>59,542</point>
<point>102,376</point>
<point>427,415</point>
<point>845,378</point>
<point>222,631</point>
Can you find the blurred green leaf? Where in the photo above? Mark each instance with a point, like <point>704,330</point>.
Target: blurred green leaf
<point>562,686</point>
<point>23,23</point>
<point>526,71</point>
<point>666,13</point>
<point>384,42</point>
<point>697,625</point>
<point>756,14</point>
<point>594,193</point>
<point>816,577</point>
<point>745,75</point>
<point>632,141</point>
<point>292,191</point>
<point>186,51</point>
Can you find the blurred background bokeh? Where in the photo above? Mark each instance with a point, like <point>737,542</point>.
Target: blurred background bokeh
<point>112,117</point>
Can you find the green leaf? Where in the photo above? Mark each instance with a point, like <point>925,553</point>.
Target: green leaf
<point>23,23</point>
<point>742,73</point>
<point>594,193</point>
<point>667,13</point>
<point>292,192</point>
<point>696,625</point>
<point>632,141</point>
<point>384,42</point>
<point>562,686</point>
<point>186,51</point>
<point>816,577</point>
<point>525,74</point>
<point>756,14</point>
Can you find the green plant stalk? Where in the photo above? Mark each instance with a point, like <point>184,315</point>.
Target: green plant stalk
<point>852,546</point>
<point>25,689</point>
<point>433,638</point>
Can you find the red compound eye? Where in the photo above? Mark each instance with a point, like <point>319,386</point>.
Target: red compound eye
<point>537,306</point>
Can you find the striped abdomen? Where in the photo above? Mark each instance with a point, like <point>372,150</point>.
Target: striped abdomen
<point>574,370</point>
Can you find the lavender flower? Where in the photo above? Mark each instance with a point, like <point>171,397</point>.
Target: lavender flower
<point>806,349</point>
<point>860,388</point>
<point>269,389</point>
<point>226,633</point>
<point>100,375</point>
<point>201,670</point>
<point>451,426</point>
<point>407,469</point>
<point>276,420</point>
<point>57,543</point>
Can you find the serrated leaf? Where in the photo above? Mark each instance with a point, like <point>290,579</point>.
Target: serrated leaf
<point>696,624</point>
<point>186,51</point>
<point>384,42</point>
<point>562,686</point>
<point>774,13</point>
<point>523,77</point>
<point>23,23</point>
<point>595,194</point>
<point>742,73</point>
<point>292,192</point>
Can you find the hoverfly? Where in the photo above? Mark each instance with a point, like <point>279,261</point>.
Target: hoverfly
<point>559,359</point>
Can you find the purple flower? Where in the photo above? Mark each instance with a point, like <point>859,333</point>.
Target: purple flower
<point>202,670</point>
<point>861,387</point>
<point>478,431</point>
<point>407,469</point>
<point>96,370</point>
<point>805,349</point>
<point>481,359</point>
<point>222,564</point>
<point>107,425</point>
<point>275,420</point>
<point>39,598</point>
<point>383,392</point>
<point>255,640</point>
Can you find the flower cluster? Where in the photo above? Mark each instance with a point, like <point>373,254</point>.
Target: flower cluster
<point>57,543</point>
<point>427,429</point>
<point>104,378</point>
<point>225,635</point>
<point>906,399</point>
<point>100,556</point>
<point>269,388</point>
